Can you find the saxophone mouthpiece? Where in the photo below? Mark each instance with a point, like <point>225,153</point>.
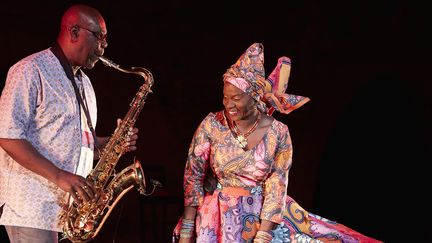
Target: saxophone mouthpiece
<point>108,62</point>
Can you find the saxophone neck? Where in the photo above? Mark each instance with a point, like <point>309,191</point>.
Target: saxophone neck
<point>146,74</point>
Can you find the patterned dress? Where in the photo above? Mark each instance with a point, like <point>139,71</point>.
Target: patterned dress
<point>234,189</point>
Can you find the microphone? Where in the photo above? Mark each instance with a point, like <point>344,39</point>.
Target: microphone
<point>156,183</point>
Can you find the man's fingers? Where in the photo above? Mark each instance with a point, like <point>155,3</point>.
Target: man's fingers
<point>88,191</point>
<point>82,192</point>
<point>75,196</point>
<point>132,148</point>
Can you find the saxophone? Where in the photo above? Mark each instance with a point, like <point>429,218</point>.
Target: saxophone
<point>81,222</point>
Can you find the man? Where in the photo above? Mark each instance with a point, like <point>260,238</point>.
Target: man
<point>48,114</point>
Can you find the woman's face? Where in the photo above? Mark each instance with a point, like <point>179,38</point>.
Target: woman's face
<point>238,105</point>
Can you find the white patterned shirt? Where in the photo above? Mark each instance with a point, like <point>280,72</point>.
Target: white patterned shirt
<point>38,104</point>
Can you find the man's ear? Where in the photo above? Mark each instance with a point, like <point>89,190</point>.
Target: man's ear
<point>74,32</point>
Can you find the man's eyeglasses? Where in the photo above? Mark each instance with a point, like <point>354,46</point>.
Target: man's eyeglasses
<point>101,37</point>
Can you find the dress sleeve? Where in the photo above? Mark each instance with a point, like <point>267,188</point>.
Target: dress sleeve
<point>18,100</point>
<point>196,165</point>
<point>275,187</point>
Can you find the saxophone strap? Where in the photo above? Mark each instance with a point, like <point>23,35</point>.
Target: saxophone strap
<point>82,102</point>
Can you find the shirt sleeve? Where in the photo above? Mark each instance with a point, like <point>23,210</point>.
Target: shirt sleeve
<point>18,100</point>
<point>275,187</point>
<point>196,165</point>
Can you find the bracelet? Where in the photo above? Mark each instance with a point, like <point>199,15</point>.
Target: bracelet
<point>263,237</point>
<point>185,234</point>
<point>188,221</point>
<point>187,228</point>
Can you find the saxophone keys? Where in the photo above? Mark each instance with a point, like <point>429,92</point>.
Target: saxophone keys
<point>118,149</point>
<point>88,227</point>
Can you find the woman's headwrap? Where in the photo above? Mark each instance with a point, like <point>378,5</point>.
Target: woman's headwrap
<point>248,75</point>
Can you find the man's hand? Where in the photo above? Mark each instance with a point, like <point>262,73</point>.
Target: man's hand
<point>131,139</point>
<point>77,186</point>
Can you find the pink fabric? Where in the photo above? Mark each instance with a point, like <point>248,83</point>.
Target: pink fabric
<point>276,85</point>
<point>239,83</point>
<point>248,74</point>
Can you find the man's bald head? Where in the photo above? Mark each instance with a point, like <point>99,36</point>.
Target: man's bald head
<point>82,35</point>
<point>82,15</point>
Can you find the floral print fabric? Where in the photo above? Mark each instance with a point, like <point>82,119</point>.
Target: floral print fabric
<point>266,165</point>
<point>251,186</point>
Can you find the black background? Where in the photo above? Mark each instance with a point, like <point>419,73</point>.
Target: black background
<point>361,145</point>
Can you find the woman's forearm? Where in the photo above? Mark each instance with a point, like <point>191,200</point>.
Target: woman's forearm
<point>267,225</point>
<point>189,212</point>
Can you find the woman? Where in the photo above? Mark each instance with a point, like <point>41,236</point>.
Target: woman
<point>236,174</point>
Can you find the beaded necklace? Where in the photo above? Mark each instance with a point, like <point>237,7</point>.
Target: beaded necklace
<point>240,137</point>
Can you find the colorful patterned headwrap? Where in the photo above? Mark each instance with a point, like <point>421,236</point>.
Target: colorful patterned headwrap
<point>248,75</point>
